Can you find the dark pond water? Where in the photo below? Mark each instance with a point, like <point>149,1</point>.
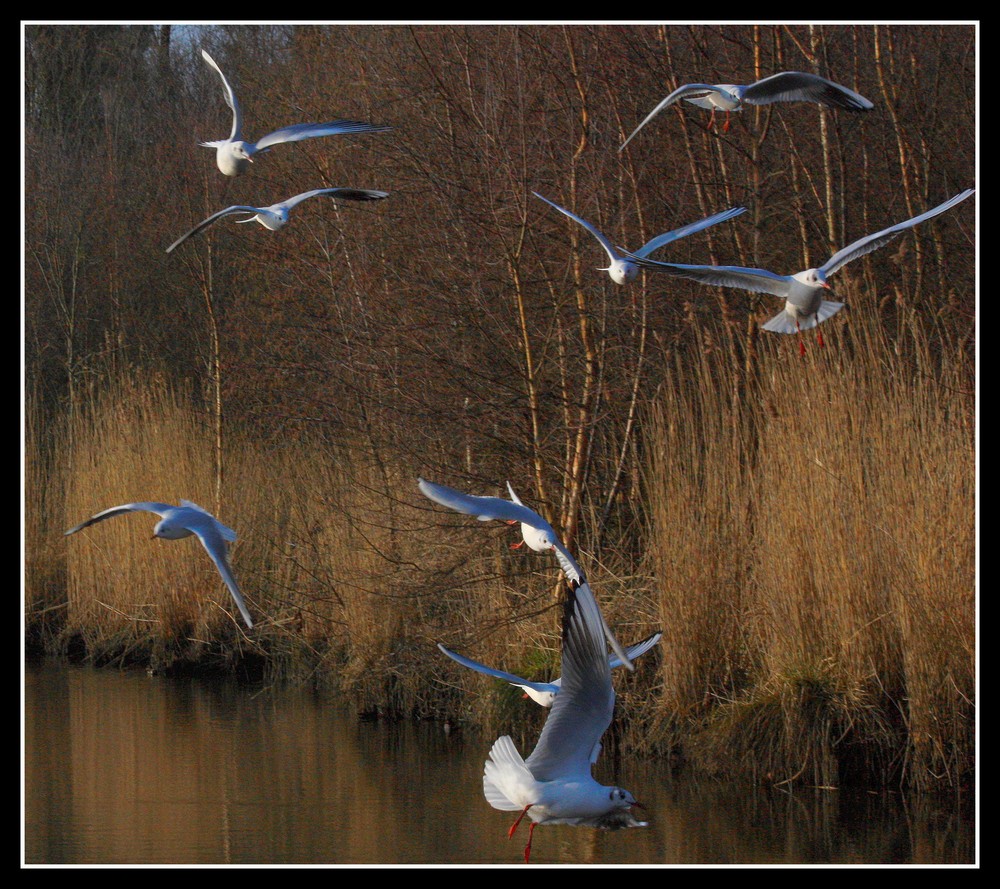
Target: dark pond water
<point>126,769</point>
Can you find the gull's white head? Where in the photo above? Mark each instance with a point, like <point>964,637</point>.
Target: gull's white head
<point>812,278</point>
<point>271,218</point>
<point>170,529</point>
<point>622,271</point>
<point>622,798</point>
<point>537,539</point>
<point>233,158</point>
<point>545,698</point>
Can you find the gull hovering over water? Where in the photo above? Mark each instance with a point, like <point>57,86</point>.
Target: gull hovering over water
<point>788,86</point>
<point>183,521</point>
<point>545,693</point>
<point>804,304</point>
<point>234,155</point>
<point>276,216</point>
<point>623,268</point>
<point>487,508</point>
<point>554,785</point>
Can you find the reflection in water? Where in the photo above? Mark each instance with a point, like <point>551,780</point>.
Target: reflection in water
<point>124,768</point>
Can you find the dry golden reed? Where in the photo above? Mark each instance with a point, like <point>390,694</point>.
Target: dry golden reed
<point>814,545</point>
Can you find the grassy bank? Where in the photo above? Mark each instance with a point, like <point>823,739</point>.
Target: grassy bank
<point>810,555</point>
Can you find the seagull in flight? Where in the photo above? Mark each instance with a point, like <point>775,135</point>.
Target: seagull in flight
<point>554,785</point>
<point>537,540</point>
<point>788,86</point>
<point>487,508</point>
<point>623,268</point>
<point>276,216</point>
<point>545,693</point>
<point>183,521</point>
<point>234,155</point>
<point>805,306</point>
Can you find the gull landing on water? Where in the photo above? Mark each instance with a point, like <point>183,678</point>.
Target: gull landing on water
<point>623,268</point>
<point>181,521</point>
<point>234,155</point>
<point>276,216</point>
<point>554,785</point>
<point>788,86</point>
<point>805,306</point>
<point>487,508</point>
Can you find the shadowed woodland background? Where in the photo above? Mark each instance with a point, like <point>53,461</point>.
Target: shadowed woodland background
<point>801,528</point>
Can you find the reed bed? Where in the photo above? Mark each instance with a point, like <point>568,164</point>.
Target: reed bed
<point>351,576</point>
<point>813,540</point>
<point>810,553</point>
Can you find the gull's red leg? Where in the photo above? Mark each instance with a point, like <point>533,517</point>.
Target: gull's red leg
<point>513,827</point>
<point>527,849</point>
<point>515,545</point>
<point>802,345</point>
<point>725,126</point>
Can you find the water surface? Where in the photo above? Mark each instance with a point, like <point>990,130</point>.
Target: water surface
<point>124,768</point>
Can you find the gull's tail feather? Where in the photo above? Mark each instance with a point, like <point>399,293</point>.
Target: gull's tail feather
<point>505,770</point>
<point>785,323</point>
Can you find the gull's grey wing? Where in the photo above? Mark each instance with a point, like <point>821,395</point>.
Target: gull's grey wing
<point>207,222</point>
<point>483,508</point>
<point>634,651</point>
<point>344,194</point>
<point>208,532</point>
<point>583,708</point>
<point>756,280</point>
<point>682,92</point>
<point>299,131</point>
<point>499,674</point>
<point>872,242</point>
<point>797,86</point>
<point>142,506</point>
<point>686,230</point>
<point>236,134</point>
<point>605,243</point>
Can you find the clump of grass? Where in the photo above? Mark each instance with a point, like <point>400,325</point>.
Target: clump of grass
<point>830,510</point>
<point>802,727</point>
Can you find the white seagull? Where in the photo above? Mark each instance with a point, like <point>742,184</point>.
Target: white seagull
<point>183,521</point>
<point>622,268</point>
<point>536,539</point>
<point>555,785</point>
<point>276,216</point>
<point>234,155</point>
<point>788,86</point>
<point>545,693</point>
<point>804,304</point>
<point>487,508</point>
